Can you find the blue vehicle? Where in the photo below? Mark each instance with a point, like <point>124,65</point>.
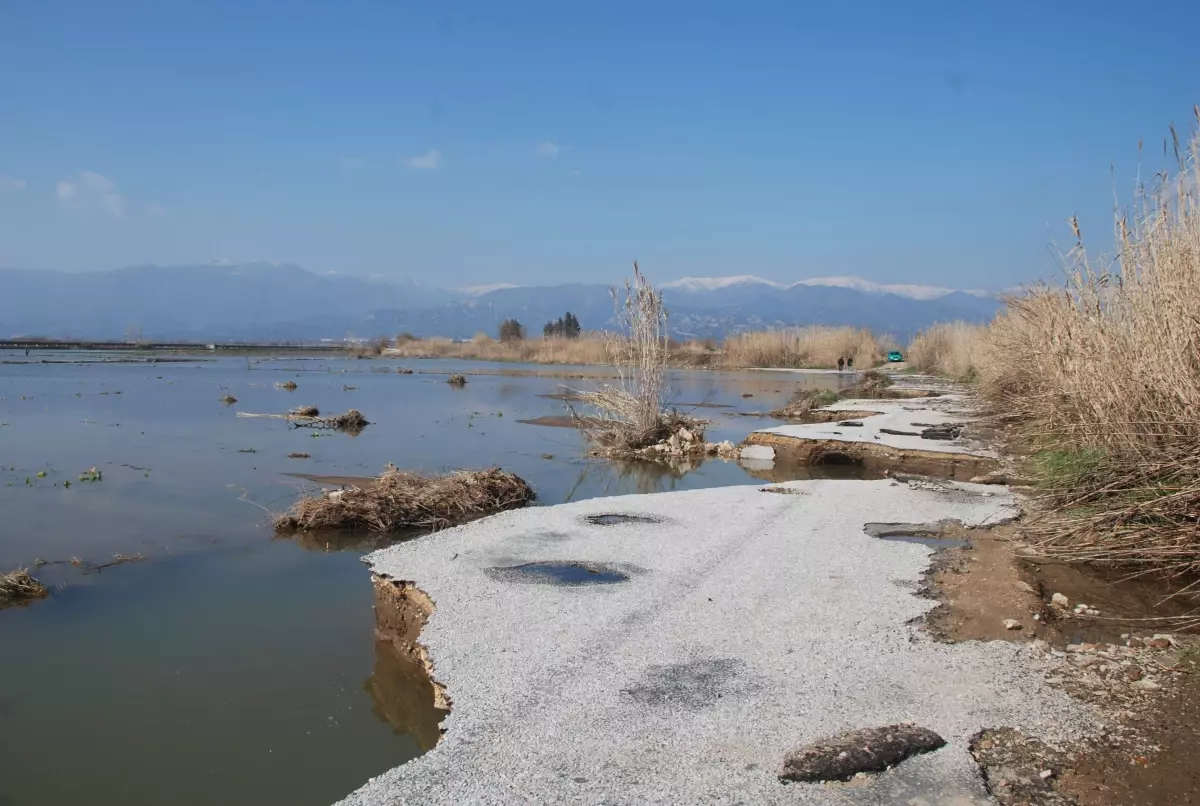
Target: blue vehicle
<point>894,356</point>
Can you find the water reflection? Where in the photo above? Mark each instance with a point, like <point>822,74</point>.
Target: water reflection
<point>402,695</point>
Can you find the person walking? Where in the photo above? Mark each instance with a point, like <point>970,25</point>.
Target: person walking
<point>841,363</point>
<point>850,364</point>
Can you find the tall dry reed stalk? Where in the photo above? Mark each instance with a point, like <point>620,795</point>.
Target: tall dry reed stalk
<point>632,413</point>
<point>1102,378</point>
<point>952,349</point>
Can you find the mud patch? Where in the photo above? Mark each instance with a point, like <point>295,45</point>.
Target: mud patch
<point>842,757</point>
<point>615,518</point>
<point>936,535</point>
<point>566,573</point>
<point>693,685</point>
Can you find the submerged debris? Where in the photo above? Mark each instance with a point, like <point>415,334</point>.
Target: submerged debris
<point>457,380</point>
<point>403,371</point>
<point>298,455</point>
<point>305,411</point>
<point>399,501</point>
<point>288,385</point>
<point>229,400</point>
<point>18,587</point>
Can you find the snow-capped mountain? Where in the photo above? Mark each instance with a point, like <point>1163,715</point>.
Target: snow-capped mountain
<point>698,285</point>
<point>266,300</point>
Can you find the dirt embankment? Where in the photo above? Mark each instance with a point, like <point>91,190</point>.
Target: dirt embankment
<point>1092,632</point>
<point>873,456</point>
<point>406,692</point>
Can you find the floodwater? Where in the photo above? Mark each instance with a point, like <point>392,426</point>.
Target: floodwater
<point>227,665</point>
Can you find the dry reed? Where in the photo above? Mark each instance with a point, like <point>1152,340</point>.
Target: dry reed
<point>398,501</point>
<point>953,349</point>
<point>1102,379</point>
<point>632,413</point>
<point>813,346</point>
<point>17,587</point>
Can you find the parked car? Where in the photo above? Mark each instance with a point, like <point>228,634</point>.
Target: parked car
<point>894,356</point>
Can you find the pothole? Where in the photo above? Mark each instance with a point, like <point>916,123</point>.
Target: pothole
<point>560,573</point>
<point>613,518</point>
<point>925,534</point>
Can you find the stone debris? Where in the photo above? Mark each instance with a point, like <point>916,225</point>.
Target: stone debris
<point>1018,769</point>
<point>846,755</point>
<point>1012,624</point>
<point>1060,600</point>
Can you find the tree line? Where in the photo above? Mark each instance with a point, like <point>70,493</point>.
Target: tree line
<point>565,327</point>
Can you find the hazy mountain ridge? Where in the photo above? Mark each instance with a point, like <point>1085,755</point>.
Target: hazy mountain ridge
<point>269,302</point>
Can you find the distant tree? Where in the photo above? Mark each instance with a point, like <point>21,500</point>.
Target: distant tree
<point>511,330</point>
<point>565,327</point>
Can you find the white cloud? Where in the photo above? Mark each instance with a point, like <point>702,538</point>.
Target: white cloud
<point>430,161</point>
<point>91,189</point>
<point>353,163</point>
<point>12,184</point>
<point>155,211</point>
<point>96,182</point>
<point>114,203</point>
<point>548,150</point>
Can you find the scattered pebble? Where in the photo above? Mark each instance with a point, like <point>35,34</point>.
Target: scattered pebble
<point>1060,600</point>
<point>1012,624</point>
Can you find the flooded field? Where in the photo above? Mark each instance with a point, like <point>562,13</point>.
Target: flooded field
<point>223,664</point>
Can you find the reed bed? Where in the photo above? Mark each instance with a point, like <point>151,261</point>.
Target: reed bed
<point>1101,378</point>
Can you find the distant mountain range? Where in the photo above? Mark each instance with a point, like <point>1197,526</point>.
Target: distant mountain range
<point>283,302</point>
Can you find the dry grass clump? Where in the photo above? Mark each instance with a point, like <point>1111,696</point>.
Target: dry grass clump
<point>398,501</point>
<point>1102,379</point>
<point>632,413</point>
<point>17,587</point>
<point>229,400</point>
<point>804,401</point>
<point>870,384</point>
<point>588,348</point>
<point>288,385</point>
<point>813,346</point>
<point>305,411</point>
<point>953,349</point>
<point>457,380</point>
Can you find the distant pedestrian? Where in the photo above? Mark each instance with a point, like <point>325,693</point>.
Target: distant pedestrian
<point>841,363</point>
<point>850,363</point>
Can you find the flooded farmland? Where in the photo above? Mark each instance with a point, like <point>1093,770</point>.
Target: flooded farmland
<point>186,654</point>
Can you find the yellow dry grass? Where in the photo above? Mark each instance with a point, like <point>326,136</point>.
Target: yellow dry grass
<point>589,348</point>
<point>813,346</point>
<point>1102,378</point>
<point>398,501</point>
<point>952,349</point>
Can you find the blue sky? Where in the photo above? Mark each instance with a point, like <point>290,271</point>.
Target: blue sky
<point>477,142</point>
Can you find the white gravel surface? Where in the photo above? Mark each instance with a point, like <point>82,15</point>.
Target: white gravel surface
<point>751,622</point>
<point>896,415</point>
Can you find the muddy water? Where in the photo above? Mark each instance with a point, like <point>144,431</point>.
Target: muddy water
<point>229,666</point>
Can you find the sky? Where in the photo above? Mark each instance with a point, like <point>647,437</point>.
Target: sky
<point>465,143</point>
